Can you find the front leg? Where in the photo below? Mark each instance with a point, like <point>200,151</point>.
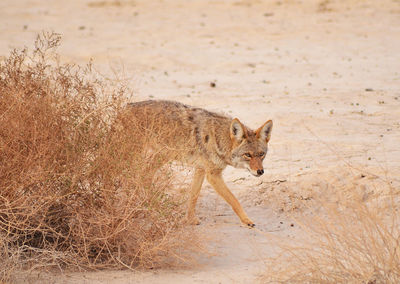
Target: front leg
<point>214,177</point>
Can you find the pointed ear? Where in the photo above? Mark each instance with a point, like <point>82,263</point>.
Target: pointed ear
<point>264,132</point>
<point>237,130</point>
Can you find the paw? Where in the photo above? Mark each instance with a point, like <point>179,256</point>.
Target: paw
<point>248,223</point>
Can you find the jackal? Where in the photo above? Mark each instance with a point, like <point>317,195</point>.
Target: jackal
<point>207,141</point>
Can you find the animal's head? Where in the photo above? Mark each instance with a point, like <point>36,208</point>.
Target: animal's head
<point>249,147</point>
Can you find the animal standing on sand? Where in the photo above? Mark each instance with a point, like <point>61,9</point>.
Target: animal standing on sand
<point>207,141</point>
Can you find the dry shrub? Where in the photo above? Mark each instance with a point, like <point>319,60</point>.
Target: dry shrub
<point>349,238</point>
<point>76,191</point>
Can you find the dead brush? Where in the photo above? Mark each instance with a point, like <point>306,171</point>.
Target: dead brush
<point>75,191</point>
<point>347,239</point>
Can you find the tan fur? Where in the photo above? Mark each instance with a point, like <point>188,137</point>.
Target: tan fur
<point>208,141</point>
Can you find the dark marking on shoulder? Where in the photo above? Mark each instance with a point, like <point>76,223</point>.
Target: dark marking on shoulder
<point>199,141</point>
<point>190,117</point>
<point>197,134</point>
<point>206,138</point>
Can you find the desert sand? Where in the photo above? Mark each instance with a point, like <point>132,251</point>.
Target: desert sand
<point>326,72</point>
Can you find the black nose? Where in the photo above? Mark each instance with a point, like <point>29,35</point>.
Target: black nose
<point>260,172</point>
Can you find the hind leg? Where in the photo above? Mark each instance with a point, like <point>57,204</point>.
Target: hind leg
<point>197,182</point>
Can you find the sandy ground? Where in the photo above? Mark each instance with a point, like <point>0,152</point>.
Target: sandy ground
<point>327,73</point>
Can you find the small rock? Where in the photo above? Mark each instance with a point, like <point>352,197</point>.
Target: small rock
<point>213,85</point>
<point>369,90</point>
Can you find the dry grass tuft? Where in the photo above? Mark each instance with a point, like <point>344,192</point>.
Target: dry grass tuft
<point>346,240</point>
<point>75,191</point>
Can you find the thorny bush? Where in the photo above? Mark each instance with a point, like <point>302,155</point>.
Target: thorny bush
<point>74,189</point>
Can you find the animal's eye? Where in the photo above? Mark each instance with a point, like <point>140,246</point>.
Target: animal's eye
<point>247,155</point>
<point>261,154</point>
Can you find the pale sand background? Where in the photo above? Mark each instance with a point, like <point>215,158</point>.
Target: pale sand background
<point>327,73</point>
